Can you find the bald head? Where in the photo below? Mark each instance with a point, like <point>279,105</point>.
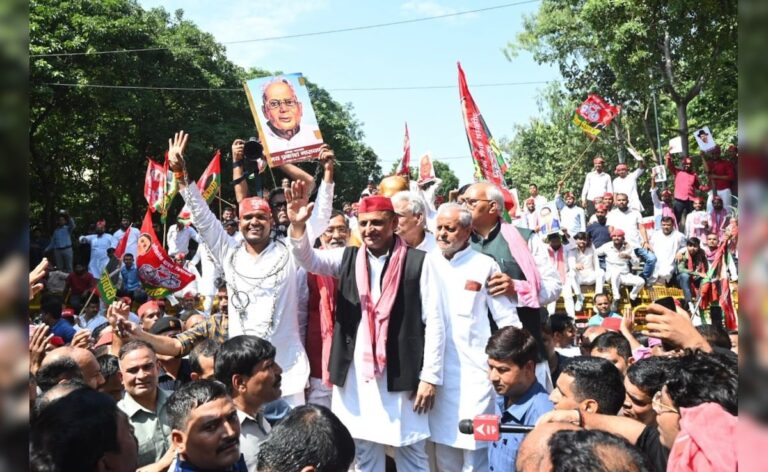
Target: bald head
<point>486,202</point>
<point>84,358</point>
<point>392,184</point>
<point>193,320</point>
<point>533,454</point>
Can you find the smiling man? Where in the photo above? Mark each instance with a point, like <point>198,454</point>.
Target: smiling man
<point>246,366</point>
<point>520,399</point>
<point>386,356</point>
<point>205,428</point>
<point>143,401</point>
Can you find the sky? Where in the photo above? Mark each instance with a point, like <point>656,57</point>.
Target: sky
<point>407,55</point>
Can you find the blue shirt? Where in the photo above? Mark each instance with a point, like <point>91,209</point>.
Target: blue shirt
<point>62,236</point>
<point>63,329</point>
<point>525,411</point>
<point>598,234</point>
<point>184,466</point>
<point>130,278</point>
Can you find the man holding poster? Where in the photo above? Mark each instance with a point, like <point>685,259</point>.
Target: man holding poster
<point>289,131</point>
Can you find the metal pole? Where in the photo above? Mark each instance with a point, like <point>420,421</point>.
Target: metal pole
<point>656,118</point>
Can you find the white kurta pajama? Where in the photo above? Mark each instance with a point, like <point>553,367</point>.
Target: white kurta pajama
<point>466,390</point>
<point>99,246</point>
<point>270,305</point>
<point>371,412</point>
<point>628,186</point>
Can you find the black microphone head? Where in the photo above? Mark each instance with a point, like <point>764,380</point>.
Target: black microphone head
<point>466,427</point>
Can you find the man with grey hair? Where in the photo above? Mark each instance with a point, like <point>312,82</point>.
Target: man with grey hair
<point>412,221</point>
<point>283,113</point>
<point>526,276</point>
<point>467,305</point>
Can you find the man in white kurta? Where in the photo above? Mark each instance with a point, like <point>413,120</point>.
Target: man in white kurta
<point>572,217</point>
<point>375,416</point>
<point>596,184</point>
<point>666,243</point>
<point>626,182</point>
<point>467,329</point>
<point>133,236</point>
<point>179,236</point>
<point>100,242</point>
<point>583,269</point>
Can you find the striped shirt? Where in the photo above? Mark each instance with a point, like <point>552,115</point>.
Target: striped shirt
<point>215,327</point>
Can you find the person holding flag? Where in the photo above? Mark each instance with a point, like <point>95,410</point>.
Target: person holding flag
<point>126,227</point>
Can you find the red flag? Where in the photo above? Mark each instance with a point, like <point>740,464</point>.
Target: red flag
<point>120,249</point>
<point>594,115</point>
<point>210,182</point>
<point>485,152</point>
<point>405,165</point>
<point>154,185</point>
<point>159,274</point>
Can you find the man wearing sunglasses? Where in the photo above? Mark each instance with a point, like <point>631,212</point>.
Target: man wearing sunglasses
<point>283,112</point>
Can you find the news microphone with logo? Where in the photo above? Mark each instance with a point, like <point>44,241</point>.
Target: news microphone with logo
<point>488,427</point>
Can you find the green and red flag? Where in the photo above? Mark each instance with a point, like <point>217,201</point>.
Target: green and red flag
<point>154,185</point>
<point>159,273</point>
<point>209,183</point>
<point>594,115</point>
<point>405,164</point>
<point>716,286</point>
<point>486,154</point>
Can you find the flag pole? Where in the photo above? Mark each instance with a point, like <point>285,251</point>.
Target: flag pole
<point>220,200</point>
<point>577,161</point>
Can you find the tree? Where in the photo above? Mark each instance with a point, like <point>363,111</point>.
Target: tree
<point>89,145</point>
<point>623,49</point>
<point>442,171</point>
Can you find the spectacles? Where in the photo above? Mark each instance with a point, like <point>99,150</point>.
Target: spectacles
<point>336,229</point>
<point>472,202</point>
<point>287,102</point>
<point>660,407</point>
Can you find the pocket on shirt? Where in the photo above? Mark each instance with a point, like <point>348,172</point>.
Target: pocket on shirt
<point>465,302</point>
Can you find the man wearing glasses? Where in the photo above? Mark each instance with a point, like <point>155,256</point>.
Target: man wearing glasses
<point>283,112</point>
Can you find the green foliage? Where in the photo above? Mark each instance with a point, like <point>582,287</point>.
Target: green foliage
<point>89,145</point>
<point>442,171</point>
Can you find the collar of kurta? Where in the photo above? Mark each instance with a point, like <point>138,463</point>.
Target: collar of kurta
<point>131,406</point>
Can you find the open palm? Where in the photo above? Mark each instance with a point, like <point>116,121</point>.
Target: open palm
<point>297,198</point>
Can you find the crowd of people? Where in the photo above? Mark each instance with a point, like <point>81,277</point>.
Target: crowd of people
<point>322,340</point>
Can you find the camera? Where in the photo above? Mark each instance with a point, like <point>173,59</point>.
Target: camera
<point>253,149</point>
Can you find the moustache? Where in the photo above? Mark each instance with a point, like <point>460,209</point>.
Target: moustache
<point>228,443</point>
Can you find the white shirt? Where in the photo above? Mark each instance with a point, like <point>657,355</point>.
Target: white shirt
<point>428,196</point>
<point>588,259</point>
<point>697,225</point>
<point>614,263</point>
<point>305,137</point>
<point>573,219</point>
<point>367,408</point>
<point>99,246</point>
<point>596,185</point>
<point>466,390</point>
<point>178,240</point>
<point>665,247</point>
<point>628,186</point>
<point>628,221</point>
<point>253,432</point>
<point>540,201</point>
<point>133,240</point>
<point>429,244</point>
<point>271,306</point>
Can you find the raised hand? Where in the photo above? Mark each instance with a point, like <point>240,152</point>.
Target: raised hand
<point>299,208</point>
<point>38,344</point>
<point>176,147</point>
<point>82,339</point>
<point>238,150</point>
<point>36,277</point>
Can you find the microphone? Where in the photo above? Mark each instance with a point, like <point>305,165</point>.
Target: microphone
<point>488,427</point>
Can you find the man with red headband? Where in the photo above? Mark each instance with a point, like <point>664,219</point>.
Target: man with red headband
<point>663,206</point>
<point>722,175</point>
<point>596,183</point>
<point>617,255</point>
<point>387,351</point>
<point>100,242</point>
<point>686,185</point>
<point>572,217</point>
<point>626,182</point>
<point>262,277</point>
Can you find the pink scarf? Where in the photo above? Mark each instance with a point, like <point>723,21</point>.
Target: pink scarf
<point>666,210</point>
<point>706,441</point>
<point>558,259</point>
<point>717,222</point>
<point>527,290</point>
<point>375,318</point>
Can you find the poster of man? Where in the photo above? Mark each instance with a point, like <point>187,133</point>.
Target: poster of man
<point>285,118</point>
<point>426,169</point>
<point>659,173</point>
<point>704,139</point>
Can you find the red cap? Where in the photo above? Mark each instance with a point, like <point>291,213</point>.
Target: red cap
<point>617,232</point>
<point>150,305</point>
<point>101,222</point>
<point>607,194</point>
<point>67,313</point>
<point>189,296</point>
<point>622,167</point>
<point>598,160</point>
<point>666,192</point>
<point>687,160</point>
<point>717,197</point>
<point>613,324</point>
<point>252,204</point>
<point>126,300</point>
<point>568,195</point>
<point>56,341</point>
<point>375,203</point>
<point>601,207</point>
<point>530,200</point>
<point>104,339</point>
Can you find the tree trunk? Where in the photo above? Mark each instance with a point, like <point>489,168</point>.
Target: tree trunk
<point>682,119</point>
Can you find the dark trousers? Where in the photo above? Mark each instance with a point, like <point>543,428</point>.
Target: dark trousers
<point>682,207</point>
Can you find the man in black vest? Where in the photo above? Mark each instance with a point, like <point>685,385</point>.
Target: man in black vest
<point>387,350</point>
